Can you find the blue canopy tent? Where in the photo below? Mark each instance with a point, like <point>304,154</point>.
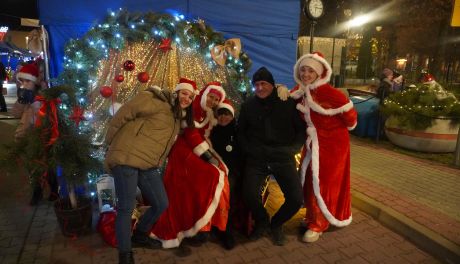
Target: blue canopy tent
<point>267,28</point>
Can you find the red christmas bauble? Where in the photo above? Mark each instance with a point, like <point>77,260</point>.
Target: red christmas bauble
<point>106,91</point>
<point>129,65</point>
<point>119,78</point>
<point>143,77</point>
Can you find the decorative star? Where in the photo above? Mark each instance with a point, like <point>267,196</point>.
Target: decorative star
<point>165,44</point>
<point>77,115</point>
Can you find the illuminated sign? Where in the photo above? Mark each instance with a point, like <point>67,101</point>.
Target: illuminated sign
<point>3,31</point>
<point>456,14</point>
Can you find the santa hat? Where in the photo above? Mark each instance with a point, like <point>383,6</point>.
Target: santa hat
<point>214,88</point>
<point>227,104</point>
<point>317,62</point>
<point>186,84</point>
<point>28,72</point>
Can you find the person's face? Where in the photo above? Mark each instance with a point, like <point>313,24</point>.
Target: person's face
<point>27,84</point>
<point>185,98</point>
<point>263,89</point>
<point>225,118</point>
<point>212,100</point>
<point>307,75</point>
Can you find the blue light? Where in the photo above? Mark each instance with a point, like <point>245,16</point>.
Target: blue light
<point>133,26</point>
<point>92,193</point>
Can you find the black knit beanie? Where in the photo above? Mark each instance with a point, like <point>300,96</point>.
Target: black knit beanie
<point>263,74</point>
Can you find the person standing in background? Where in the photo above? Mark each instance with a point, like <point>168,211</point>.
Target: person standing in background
<point>3,107</point>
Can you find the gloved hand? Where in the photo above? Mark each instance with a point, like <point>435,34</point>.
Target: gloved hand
<point>283,92</point>
<point>207,156</point>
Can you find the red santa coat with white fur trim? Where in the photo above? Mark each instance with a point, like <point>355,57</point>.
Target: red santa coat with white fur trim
<point>198,191</point>
<point>326,155</point>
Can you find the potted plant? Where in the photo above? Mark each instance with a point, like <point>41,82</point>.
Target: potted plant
<point>56,142</point>
<point>423,118</point>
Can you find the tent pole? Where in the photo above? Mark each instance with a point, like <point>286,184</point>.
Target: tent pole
<point>45,54</point>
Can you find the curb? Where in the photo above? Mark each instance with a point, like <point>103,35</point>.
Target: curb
<point>428,240</point>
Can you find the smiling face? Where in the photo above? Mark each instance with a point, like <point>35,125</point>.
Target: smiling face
<point>307,75</point>
<point>212,100</point>
<point>263,89</point>
<point>185,98</point>
<point>224,117</point>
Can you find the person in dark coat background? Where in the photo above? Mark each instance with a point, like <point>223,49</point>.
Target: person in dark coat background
<point>2,79</point>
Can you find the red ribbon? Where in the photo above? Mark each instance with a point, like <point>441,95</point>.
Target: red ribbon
<point>52,114</point>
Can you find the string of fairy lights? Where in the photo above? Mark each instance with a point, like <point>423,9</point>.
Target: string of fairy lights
<point>83,57</point>
<point>419,106</point>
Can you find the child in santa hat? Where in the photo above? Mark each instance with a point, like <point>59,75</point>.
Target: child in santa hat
<point>223,139</point>
<point>325,161</point>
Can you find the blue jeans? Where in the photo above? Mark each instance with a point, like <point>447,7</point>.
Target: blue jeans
<point>151,184</point>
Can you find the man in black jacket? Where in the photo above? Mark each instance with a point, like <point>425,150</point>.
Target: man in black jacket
<point>270,133</point>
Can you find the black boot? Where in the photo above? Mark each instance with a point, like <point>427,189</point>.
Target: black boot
<point>278,237</point>
<point>37,195</point>
<point>182,251</point>
<point>259,230</point>
<point>227,239</point>
<point>126,258</point>
<point>198,239</point>
<point>141,239</point>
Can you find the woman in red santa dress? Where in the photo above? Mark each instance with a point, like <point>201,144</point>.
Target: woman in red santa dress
<point>195,177</point>
<point>325,161</point>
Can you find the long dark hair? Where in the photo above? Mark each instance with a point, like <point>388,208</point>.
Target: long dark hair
<point>177,110</point>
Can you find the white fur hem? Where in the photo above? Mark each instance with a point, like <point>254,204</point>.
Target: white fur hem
<point>353,126</point>
<point>201,148</point>
<point>175,242</point>
<point>329,112</point>
<point>314,154</point>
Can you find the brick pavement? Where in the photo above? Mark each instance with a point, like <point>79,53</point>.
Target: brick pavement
<point>417,190</point>
<point>31,235</point>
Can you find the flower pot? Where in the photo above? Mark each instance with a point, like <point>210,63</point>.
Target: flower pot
<point>74,222</point>
<point>441,137</point>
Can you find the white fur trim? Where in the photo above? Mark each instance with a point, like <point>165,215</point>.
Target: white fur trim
<point>185,86</point>
<point>314,64</point>
<point>329,112</point>
<point>320,81</point>
<point>26,76</point>
<point>227,106</point>
<point>201,148</point>
<point>205,95</point>
<point>297,94</point>
<point>313,156</point>
<point>203,220</point>
<point>353,126</point>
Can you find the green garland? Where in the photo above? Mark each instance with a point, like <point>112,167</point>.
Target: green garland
<point>82,55</point>
<point>71,151</point>
<point>418,107</point>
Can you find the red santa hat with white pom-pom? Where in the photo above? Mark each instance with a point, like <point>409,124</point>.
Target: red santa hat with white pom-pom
<point>317,62</point>
<point>186,84</point>
<point>28,72</point>
<point>227,104</point>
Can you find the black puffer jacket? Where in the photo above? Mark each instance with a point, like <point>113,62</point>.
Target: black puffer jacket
<point>270,129</point>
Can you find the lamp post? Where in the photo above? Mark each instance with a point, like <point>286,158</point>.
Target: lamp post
<point>343,68</point>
